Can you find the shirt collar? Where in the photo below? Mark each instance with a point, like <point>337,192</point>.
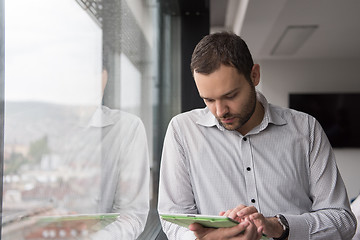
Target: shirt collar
<point>102,117</point>
<point>270,116</point>
<point>208,119</point>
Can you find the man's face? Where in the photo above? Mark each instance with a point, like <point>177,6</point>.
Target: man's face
<point>228,95</point>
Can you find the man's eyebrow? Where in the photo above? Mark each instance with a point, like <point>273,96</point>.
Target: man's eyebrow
<point>204,97</point>
<point>228,93</point>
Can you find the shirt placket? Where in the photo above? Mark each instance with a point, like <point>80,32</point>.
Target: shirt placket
<point>249,172</point>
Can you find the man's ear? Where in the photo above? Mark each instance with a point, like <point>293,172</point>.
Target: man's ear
<point>255,74</point>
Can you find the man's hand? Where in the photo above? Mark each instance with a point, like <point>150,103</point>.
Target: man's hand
<point>246,230</point>
<point>270,225</point>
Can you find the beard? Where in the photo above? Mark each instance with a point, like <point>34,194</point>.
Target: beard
<point>239,119</point>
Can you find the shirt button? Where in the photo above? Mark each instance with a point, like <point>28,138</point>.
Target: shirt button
<point>253,200</point>
<point>248,168</point>
<point>245,139</point>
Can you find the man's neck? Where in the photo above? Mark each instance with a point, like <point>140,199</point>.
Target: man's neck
<point>254,120</point>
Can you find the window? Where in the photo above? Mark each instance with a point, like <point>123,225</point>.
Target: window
<point>80,102</point>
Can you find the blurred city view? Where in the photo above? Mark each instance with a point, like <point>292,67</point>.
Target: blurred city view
<point>56,53</point>
<point>42,174</point>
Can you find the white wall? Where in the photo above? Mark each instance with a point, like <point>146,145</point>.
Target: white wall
<point>281,77</point>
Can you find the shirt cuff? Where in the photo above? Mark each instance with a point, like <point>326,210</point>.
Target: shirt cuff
<point>189,235</point>
<point>298,227</point>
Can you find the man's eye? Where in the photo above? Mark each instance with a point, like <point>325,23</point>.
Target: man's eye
<point>208,100</point>
<point>231,96</point>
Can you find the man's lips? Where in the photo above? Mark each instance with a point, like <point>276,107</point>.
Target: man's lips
<point>227,120</point>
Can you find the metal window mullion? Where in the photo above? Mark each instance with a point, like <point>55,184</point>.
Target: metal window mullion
<point>2,99</point>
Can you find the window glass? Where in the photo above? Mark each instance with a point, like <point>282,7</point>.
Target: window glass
<point>80,78</point>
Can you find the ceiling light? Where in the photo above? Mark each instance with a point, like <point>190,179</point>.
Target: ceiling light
<point>292,39</point>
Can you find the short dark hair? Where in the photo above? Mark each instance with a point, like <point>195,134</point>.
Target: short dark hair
<point>224,48</point>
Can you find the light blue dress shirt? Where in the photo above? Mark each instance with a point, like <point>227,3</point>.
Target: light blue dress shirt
<point>284,165</point>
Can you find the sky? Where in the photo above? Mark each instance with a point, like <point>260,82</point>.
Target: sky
<point>52,53</point>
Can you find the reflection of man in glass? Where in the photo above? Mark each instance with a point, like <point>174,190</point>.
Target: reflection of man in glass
<point>111,151</point>
<point>125,171</point>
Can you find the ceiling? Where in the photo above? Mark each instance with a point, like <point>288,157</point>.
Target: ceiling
<point>335,32</point>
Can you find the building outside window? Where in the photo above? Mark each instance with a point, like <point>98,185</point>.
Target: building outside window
<point>81,112</point>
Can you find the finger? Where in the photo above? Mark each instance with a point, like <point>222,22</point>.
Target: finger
<point>258,219</point>
<point>252,232</point>
<point>198,230</point>
<point>256,215</point>
<point>236,230</point>
<point>226,214</point>
<point>195,227</point>
<point>246,211</point>
<point>239,219</point>
<point>233,213</point>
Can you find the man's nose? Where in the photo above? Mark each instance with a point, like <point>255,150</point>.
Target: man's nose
<point>221,109</point>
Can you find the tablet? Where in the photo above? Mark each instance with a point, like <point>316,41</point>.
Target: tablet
<point>79,224</point>
<point>78,217</point>
<point>211,221</point>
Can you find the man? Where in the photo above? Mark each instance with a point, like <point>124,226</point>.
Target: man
<point>111,147</point>
<point>270,168</point>
<point>355,207</point>
<point>125,171</point>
